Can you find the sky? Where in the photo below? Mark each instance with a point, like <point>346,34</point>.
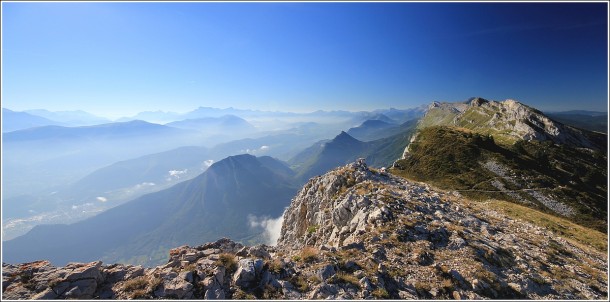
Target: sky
<point>116,59</point>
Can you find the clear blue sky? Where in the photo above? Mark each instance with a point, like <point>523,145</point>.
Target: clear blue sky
<point>116,59</point>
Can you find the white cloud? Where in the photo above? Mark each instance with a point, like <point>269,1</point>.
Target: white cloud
<point>102,199</point>
<point>141,186</point>
<point>272,227</point>
<point>177,173</point>
<point>206,164</point>
<point>254,151</point>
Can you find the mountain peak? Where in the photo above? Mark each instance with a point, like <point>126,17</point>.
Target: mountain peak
<point>343,136</point>
<point>396,215</point>
<point>477,101</point>
<point>508,121</point>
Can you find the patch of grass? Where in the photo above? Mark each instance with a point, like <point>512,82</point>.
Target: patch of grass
<point>54,282</point>
<point>485,275</point>
<point>500,257</point>
<point>275,266</point>
<point>309,254</point>
<point>380,293</point>
<point>269,292</point>
<point>447,284</point>
<point>190,267</point>
<point>227,260</point>
<point>299,282</point>
<point>538,280</point>
<point>422,286</point>
<point>27,278</point>
<point>343,277</point>
<point>154,283</point>
<point>314,279</point>
<point>454,227</point>
<point>312,229</point>
<point>568,230</point>
<point>138,294</point>
<point>137,283</point>
<point>239,294</point>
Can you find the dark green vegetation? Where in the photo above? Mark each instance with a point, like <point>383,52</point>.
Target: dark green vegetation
<point>343,149</point>
<point>214,204</point>
<point>458,159</point>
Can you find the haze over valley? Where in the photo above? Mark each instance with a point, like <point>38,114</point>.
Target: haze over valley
<point>86,169</point>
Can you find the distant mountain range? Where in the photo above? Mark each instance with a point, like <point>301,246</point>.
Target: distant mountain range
<point>216,124</point>
<point>577,112</point>
<point>72,152</point>
<point>216,203</point>
<point>97,132</point>
<point>159,117</point>
<point>326,155</point>
<point>588,120</point>
<point>70,118</point>
<point>392,114</point>
<point>12,120</point>
<point>82,118</point>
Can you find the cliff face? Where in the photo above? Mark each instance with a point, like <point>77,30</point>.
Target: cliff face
<point>508,121</point>
<point>353,233</point>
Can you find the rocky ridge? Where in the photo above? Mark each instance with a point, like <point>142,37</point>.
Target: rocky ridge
<point>508,120</point>
<point>353,233</point>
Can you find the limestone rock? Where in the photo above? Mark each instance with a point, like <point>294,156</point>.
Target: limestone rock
<point>247,271</point>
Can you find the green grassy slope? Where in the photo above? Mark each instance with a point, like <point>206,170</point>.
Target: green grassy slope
<point>458,159</point>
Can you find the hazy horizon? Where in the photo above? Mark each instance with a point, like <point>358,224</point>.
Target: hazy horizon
<point>116,116</point>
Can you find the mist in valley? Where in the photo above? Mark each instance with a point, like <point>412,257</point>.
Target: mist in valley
<point>62,167</point>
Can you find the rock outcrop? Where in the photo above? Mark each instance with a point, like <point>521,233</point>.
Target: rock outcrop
<point>353,233</point>
<point>508,120</point>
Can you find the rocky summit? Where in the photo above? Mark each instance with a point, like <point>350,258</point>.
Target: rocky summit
<point>508,121</point>
<point>352,233</point>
